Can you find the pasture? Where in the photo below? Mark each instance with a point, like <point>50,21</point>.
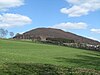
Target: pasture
<point>14,53</point>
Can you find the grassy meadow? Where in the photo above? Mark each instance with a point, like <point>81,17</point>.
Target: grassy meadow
<point>18,57</point>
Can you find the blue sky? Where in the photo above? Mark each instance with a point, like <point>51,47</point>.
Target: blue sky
<point>81,17</point>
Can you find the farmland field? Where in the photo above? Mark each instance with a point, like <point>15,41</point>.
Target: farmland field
<point>21,52</point>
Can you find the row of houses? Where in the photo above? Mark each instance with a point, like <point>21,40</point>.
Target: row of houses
<point>83,46</point>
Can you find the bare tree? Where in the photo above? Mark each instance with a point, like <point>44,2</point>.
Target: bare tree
<point>3,33</point>
<point>11,34</point>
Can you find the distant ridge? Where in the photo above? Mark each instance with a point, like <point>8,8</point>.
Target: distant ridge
<point>55,33</point>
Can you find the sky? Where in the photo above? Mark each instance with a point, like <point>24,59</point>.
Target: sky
<point>81,17</point>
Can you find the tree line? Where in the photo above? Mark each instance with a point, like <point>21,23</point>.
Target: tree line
<point>71,43</point>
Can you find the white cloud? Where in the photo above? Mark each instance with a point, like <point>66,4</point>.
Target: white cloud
<point>95,30</point>
<point>6,4</point>
<point>81,7</point>
<point>13,20</point>
<point>70,25</point>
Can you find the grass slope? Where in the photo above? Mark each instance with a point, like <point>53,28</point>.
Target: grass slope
<point>28,53</point>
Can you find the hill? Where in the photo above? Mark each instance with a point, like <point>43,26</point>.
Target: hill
<point>43,33</point>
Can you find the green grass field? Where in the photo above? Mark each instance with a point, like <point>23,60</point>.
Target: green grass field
<point>22,52</point>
